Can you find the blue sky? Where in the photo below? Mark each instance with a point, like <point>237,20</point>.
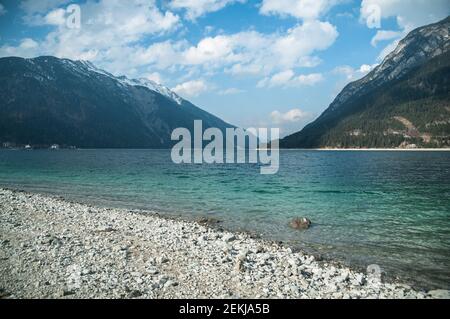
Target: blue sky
<point>254,63</point>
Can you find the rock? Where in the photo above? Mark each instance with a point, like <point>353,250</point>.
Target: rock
<point>293,262</point>
<point>3,294</point>
<point>243,254</point>
<point>66,292</point>
<point>293,289</point>
<point>300,223</point>
<point>162,280</point>
<point>224,247</point>
<point>135,294</point>
<point>226,260</point>
<point>154,286</point>
<point>208,221</point>
<point>308,260</point>
<point>228,238</point>
<point>359,280</point>
<point>343,277</point>
<point>152,270</point>
<point>170,283</point>
<point>86,271</point>
<point>259,249</point>
<point>107,229</point>
<point>439,294</point>
<point>162,260</point>
<point>239,265</point>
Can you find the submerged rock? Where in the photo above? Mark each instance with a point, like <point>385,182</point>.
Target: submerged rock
<point>300,223</point>
<point>208,221</point>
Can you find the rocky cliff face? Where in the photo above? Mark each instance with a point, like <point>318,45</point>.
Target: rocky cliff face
<point>364,114</point>
<point>47,100</point>
<point>420,46</point>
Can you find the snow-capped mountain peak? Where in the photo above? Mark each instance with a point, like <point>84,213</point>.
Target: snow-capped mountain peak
<point>123,80</point>
<point>152,86</point>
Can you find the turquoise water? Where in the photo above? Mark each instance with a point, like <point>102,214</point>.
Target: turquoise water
<point>385,208</point>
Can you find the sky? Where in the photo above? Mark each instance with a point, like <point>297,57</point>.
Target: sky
<point>253,63</point>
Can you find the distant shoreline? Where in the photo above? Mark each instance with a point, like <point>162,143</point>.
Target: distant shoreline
<point>370,149</point>
<point>281,149</point>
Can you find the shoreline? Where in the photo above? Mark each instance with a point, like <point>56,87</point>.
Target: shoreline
<point>445,149</point>
<point>369,149</point>
<point>217,225</point>
<point>54,248</point>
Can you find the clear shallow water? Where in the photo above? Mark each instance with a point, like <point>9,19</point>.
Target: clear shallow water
<point>385,208</point>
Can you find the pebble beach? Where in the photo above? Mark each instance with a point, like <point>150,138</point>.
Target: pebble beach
<point>54,248</point>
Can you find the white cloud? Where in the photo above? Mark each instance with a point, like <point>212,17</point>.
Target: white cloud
<point>383,35</point>
<point>302,9</point>
<point>28,44</point>
<point>210,50</point>
<point>2,10</point>
<point>26,49</point>
<point>288,122</point>
<point>197,8</point>
<point>162,55</point>
<point>248,52</point>
<point>155,77</point>
<point>365,68</point>
<point>304,39</point>
<point>243,53</point>
<point>288,79</point>
<point>109,35</point>
<point>191,88</point>
<point>32,7</point>
<point>292,116</point>
<point>309,79</point>
<point>209,29</point>
<point>388,49</point>
<point>279,79</point>
<point>245,69</point>
<point>352,74</point>
<point>113,33</point>
<point>231,91</point>
<point>409,14</point>
<point>55,17</point>
<point>35,11</point>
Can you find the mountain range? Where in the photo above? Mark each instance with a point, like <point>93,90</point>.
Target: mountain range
<point>46,100</point>
<point>403,103</point>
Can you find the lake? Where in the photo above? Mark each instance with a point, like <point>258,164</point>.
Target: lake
<point>386,208</point>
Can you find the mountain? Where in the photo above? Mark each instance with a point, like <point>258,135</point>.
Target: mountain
<point>404,102</point>
<point>46,100</point>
